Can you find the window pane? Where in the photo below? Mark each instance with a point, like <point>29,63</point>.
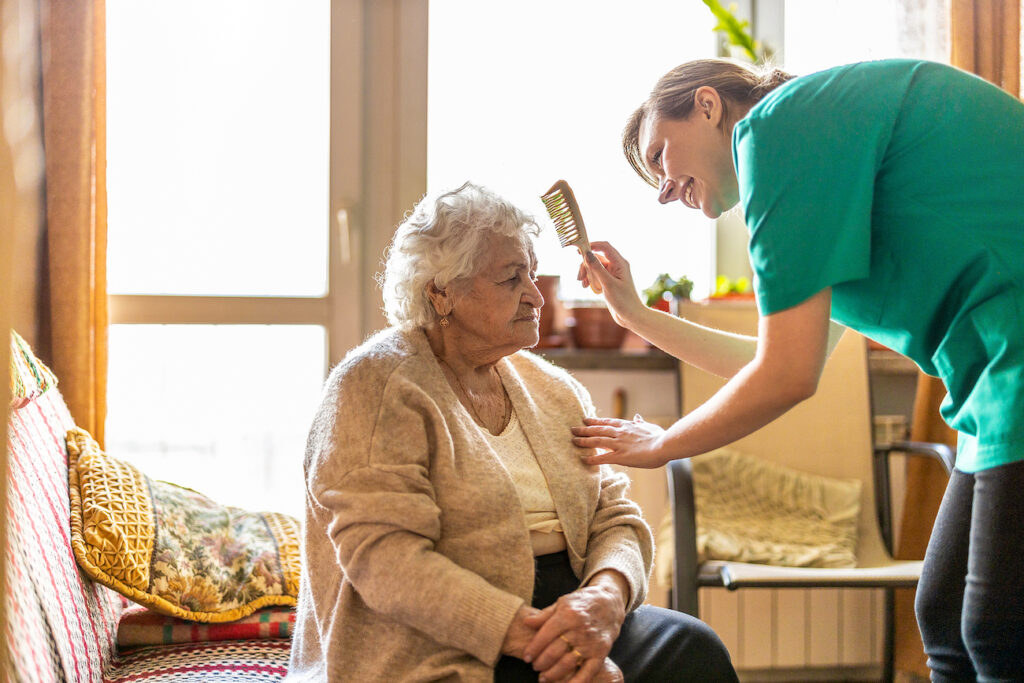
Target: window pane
<point>524,93</point>
<point>872,29</point>
<point>218,115</point>
<point>222,409</point>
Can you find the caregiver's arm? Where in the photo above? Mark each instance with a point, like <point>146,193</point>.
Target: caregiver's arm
<point>790,355</point>
<point>720,353</point>
<point>716,351</point>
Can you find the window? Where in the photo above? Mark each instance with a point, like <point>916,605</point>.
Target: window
<point>218,118</point>
<point>218,260</point>
<point>223,409</point>
<point>521,94</point>
<point>871,29</point>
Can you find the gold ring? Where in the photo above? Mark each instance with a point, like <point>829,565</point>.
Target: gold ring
<point>568,645</point>
<point>579,657</point>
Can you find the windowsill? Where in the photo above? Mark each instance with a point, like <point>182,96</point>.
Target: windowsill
<point>609,359</point>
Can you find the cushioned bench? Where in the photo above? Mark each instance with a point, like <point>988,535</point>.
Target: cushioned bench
<point>63,626</point>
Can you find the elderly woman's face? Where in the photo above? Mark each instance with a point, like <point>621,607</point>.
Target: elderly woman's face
<point>499,307</point>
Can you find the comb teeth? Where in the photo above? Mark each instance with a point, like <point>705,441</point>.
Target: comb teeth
<point>565,213</point>
<point>560,213</point>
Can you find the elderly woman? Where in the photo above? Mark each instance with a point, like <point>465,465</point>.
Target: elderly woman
<point>452,531</point>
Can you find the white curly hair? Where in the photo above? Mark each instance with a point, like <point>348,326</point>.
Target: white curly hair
<point>440,240</point>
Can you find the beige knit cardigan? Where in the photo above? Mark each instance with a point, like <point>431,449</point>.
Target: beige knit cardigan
<point>416,553</point>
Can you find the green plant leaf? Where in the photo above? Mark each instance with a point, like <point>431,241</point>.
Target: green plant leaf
<point>733,29</point>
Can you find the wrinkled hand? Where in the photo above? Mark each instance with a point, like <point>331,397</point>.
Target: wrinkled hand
<point>609,673</point>
<point>636,442</point>
<point>611,271</point>
<point>519,633</point>
<point>576,634</point>
<point>606,672</point>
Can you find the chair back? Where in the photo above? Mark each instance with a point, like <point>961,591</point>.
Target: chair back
<point>829,434</point>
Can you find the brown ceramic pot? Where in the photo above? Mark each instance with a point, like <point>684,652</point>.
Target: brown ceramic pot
<point>548,286</point>
<point>594,328</point>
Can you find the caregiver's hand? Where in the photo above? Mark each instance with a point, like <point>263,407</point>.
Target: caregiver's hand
<point>577,632</point>
<point>636,442</point>
<point>612,272</point>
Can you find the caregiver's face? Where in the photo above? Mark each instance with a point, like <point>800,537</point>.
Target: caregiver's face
<point>692,158</point>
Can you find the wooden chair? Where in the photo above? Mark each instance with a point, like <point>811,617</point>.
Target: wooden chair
<point>830,435</point>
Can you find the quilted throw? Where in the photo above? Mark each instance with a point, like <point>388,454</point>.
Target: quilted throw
<point>29,378</point>
<point>142,627</point>
<point>751,510</point>
<point>172,549</point>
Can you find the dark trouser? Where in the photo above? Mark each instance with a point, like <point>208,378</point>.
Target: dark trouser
<point>654,644</point>
<point>970,602</point>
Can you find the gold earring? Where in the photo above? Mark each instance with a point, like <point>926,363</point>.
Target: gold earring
<point>444,322</point>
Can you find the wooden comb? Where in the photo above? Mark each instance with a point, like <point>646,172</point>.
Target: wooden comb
<point>561,205</point>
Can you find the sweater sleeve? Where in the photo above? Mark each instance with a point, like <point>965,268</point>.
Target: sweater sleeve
<point>375,495</point>
<point>619,537</point>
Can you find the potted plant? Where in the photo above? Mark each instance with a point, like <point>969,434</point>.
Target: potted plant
<point>737,40</point>
<point>665,289</point>
<point>727,288</point>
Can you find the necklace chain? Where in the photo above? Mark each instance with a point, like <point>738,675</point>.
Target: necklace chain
<point>469,399</point>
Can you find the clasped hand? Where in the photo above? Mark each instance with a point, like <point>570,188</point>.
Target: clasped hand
<point>575,634</point>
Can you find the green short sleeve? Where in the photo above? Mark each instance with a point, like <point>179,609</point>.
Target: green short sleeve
<point>806,159</point>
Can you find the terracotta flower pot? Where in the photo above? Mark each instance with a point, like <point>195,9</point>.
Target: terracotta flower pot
<point>594,328</point>
<point>548,286</point>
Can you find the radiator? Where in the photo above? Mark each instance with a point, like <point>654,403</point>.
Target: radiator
<point>792,629</point>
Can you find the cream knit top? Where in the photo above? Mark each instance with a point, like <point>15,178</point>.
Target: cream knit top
<point>516,454</point>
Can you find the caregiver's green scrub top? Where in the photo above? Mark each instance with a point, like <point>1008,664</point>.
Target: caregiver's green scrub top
<point>900,184</point>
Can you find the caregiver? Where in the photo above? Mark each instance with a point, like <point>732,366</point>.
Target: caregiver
<point>887,197</point>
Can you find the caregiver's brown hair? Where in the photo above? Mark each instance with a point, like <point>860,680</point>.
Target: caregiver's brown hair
<point>673,97</point>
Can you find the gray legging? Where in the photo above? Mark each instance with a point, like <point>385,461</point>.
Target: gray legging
<point>654,645</point>
<point>970,601</point>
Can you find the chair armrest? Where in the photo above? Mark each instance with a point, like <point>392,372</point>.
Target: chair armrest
<point>883,494</point>
<point>684,525</point>
<point>938,451</point>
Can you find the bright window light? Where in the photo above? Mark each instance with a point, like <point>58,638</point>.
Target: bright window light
<point>871,29</point>
<point>222,409</point>
<point>524,93</point>
<point>218,143</point>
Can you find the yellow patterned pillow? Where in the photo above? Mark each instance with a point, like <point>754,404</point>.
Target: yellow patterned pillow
<point>172,549</point>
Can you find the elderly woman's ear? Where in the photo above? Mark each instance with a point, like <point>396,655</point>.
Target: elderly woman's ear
<point>440,298</point>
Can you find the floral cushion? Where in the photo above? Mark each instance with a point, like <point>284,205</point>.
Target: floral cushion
<point>29,377</point>
<point>172,549</point>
